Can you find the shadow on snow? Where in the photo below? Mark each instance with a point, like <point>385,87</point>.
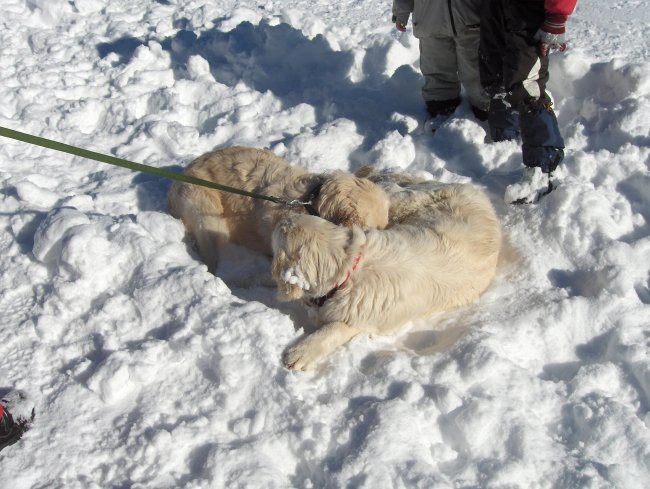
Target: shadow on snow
<point>296,69</point>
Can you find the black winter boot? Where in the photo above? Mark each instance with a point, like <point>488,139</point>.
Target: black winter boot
<point>480,114</point>
<point>442,107</point>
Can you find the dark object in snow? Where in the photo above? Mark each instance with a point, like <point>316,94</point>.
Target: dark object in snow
<point>480,114</point>
<point>534,185</point>
<point>11,430</point>
<point>444,108</point>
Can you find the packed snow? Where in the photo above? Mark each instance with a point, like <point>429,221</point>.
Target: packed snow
<point>145,370</point>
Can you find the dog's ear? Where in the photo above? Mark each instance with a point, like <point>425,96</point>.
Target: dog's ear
<point>351,201</point>
<point>340,211</point>
<point>280,268</point>
<point>338,200</point>
<point>365,171</point>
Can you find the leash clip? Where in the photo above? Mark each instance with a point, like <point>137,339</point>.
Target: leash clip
<point>296,203</point>
<point>309,206</point>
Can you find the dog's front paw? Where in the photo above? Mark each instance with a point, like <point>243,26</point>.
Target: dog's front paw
<point>316,347</point>
<point>305,355</point>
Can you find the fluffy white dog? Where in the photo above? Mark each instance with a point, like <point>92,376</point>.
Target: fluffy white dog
<point>440,253</point>
<point>213,217</point>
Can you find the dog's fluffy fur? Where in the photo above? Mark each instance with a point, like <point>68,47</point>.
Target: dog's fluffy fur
<point>440,252</point>
<point>213,217</point>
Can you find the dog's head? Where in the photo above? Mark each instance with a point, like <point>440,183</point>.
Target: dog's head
<point>309,254</point>
<point>352,201</point>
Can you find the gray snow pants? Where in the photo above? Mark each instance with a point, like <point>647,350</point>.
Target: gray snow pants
<point>447,62</point>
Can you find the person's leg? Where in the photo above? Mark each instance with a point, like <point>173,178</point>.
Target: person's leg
<point>503,120</point>
<point>542,143</point>
<point>441,90</point>
<point>467,45</point>
<point>525,78</point>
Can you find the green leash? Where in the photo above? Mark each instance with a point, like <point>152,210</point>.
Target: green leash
<point>139,167</point>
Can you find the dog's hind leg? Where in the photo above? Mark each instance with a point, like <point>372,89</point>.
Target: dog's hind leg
<point>202,213</point>
<point>316,347</point>
<point>211,235</point>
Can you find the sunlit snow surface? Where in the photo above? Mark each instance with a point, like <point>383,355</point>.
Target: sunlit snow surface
<point>147,371</point>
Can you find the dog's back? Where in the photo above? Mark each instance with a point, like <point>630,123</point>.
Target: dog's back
<point>468,239</point>
<point>459,214</point>
<point>438,258</point>
<point>213,217</point>
<point>441,258</point>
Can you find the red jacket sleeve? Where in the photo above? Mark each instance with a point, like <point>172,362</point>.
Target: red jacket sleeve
<point>557,13</point>
<point>562,8</point>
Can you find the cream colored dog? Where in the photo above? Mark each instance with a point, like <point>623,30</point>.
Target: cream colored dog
<point>440,253</point>
<point>213,217</point>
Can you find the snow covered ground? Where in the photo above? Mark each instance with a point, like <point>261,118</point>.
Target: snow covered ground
<point>147,371</point>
